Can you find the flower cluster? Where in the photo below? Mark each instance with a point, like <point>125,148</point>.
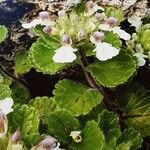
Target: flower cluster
<point>74,28</point>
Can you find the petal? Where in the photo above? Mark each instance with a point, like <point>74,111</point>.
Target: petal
<point>31,24</point>
<point>105,27</point>
<point>122,34</point>
<point>3,127</point>
<point>5,105</point>
<point>65,54</point>
<point>39,21</point>
<point>135,21</point>
<point>140,57</point>
<point>105,51</point>
<point>72,2</point>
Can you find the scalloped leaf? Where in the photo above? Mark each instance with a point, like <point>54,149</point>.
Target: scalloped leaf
<point>115,12</point>
<point>109,124</point>
<point>4,88</point>
<point>135,102</point>
<point>132,138</point>
<point>22,64</point>
<point>41,54</point>
<point>20,93</point>
<point>76,97</point>
<point>3,33</point>
<point>45,106</point>
<point>115,71</point>
<point>143,37</point>
<point>60,124</point>
<point>27,120</point>
<point>92,138</point>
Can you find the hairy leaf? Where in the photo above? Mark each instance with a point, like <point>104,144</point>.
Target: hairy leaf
<point>60,124</point>
<point>92,138</point>
<point>22,64</point>
<point>135,102</point>
<point>45,106</point>
<point>41,54</point>
<point>76,97</point>
<point>115,71</point>
<point>26,119</point>
<point>4,88</point>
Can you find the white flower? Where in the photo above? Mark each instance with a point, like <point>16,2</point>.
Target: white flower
<point>65,54</point>
<point>110,25</point>
<point>76,136</point>
<point>122,34</point>
<point>141,58</point>
<point>6,105</point>
<point>91,8</point>
<point>5,108</point>
<point>135,21</point>
<point>47,143</point>
<point>104,51</point>
<point>43,19</point>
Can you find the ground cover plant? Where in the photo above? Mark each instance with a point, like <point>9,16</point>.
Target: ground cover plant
<point>100,105</point>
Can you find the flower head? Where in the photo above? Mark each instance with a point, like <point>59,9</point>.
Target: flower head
<point>43,19</point>
<point>65,54</point>
<point>91,8</point>
<point>141,58</point>
<point>76,136</point>
<point>104,51</point>
<point>135,21</point>
<point>5,108</point>
<point>110,25</point>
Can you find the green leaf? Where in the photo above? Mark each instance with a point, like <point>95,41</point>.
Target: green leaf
<point>76,97</point>
<point>92,138</point>
<point>115,71</point>
<point>20,93</point>
<point>3,33</point>
<point>131,137</point>
<point>27,120</point>
<point>109,124</point>
<point>60,124</point>
<point>22,64</point>
<point>115,12</point>
<point>135,102</point>
<point>143,37</point>
<point>113,39</point>
<point>4,88</point>
<point>45,106</point>
<point>41,54</point>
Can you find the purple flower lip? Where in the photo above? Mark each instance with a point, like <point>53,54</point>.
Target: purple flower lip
<point>66,39</point>
<point>44,15</point>
<point>16,136</point>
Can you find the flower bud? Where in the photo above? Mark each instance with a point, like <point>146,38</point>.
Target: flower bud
<point>3,124</point>
<point>61,13</point>
<point>44,15</point>
<point>112,21</point>
<point>47,30</point>
<point>100,16</point>
<point>16,136</point>
<point>76,136</point>
<point>66,39</point>
<point>49,142</point>
<point>97,37</point>
<point>81,34</point>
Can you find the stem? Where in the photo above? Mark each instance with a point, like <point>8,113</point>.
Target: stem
<point>93,84</point>
<point>12,76</point>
